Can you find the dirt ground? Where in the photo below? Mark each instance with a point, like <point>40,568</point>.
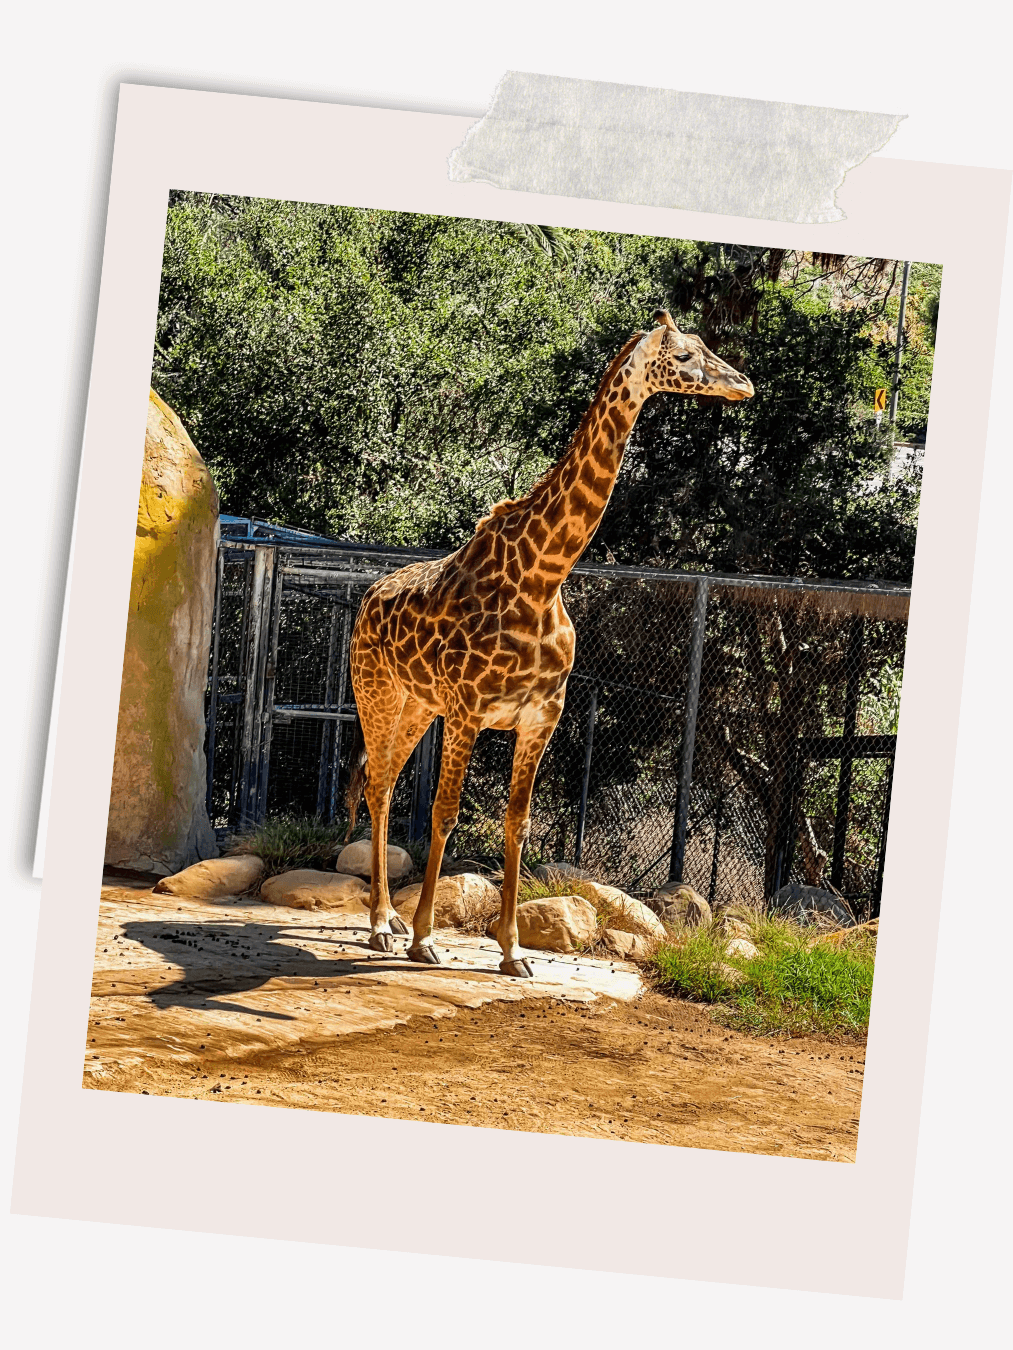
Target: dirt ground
<point>563,1058</point>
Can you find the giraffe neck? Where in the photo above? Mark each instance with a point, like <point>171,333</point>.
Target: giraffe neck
<point>555,522</point>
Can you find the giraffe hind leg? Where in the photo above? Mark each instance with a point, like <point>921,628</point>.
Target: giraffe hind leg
<point>458,743</point>
<point>385,923</point>
<point>528,750</point>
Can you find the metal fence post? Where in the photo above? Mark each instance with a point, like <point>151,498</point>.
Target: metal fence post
<point>678,857</point>
<point>212,713</point>
<point>422,786</point>
<point>877,892</point>
<point>270,676</point>
<point>592,717</point>
<point>256,669</point>
<point>851,698</point>
<point>713,887</point>
<point>327,729</point>
<point>337,734</point>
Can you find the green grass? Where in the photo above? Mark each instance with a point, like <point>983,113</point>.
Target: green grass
<point>288,842</point>
<point>694,968</point>
<point>793,987</point>
<point>817,989</point>
<point>530,888</point>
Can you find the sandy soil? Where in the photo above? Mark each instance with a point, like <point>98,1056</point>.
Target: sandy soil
<point>563,1055</point>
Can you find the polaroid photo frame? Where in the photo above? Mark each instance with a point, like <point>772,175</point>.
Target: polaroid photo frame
<point>670,1215</point>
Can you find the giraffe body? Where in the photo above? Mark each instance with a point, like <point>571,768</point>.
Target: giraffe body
<point>482,638</point>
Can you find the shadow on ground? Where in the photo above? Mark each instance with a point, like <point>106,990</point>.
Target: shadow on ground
<point>227,959</point>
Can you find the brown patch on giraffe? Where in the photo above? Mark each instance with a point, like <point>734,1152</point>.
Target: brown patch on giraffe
<point>588,476</point>
<point>527,554</point>
<point>555,511</point>
<point>537,533</point>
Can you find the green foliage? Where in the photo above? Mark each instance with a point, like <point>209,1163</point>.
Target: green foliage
<point>805,990</point>
<point>794,987</point>
<point>288,842</point>
<point>795,481</point>
<point>920,318</point>
<point>389,375</point>
<point>694,967</point>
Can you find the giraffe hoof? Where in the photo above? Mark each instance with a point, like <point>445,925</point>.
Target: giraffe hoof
<point>381,942</point>
<point>520,969</point>
<point>426,956</point>
<point>398,926</point>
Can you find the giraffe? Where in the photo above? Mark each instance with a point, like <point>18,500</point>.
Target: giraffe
<point>482,637</point>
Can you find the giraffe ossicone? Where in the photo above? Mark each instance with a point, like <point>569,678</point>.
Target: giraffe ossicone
<point>482,637</point>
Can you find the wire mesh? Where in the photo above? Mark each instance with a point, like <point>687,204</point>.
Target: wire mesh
<point>795,689</point>
<point>226,692</point>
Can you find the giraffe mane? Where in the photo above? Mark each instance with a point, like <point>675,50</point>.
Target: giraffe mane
<point>505,507</point>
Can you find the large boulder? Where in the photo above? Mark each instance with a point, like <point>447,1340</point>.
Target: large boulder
<point>682,905</point>
<point>628,946</point>
<point>741,946</point>
<point>214,878</point>
<point>305,888</point>
<point>810,904</point>
<point>357,859</point>
<point>460,901</point>
<point>157,816</point>
<point>621,910</point>
<point>559,923</point>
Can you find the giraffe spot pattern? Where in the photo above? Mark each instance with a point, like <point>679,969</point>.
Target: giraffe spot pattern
<point>483,637</point>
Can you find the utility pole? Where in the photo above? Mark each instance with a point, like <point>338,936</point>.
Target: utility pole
<point>900,344</point>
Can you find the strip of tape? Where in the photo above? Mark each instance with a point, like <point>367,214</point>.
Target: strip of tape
<point>659,147</point>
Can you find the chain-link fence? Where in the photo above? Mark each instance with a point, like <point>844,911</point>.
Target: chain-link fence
<point>736,733</point>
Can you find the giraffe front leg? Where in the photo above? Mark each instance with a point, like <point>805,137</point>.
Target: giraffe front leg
<point>532,738</point>
<point>458,742</point>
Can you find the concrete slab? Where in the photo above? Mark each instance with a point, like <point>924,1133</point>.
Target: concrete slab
<point>176,978</point>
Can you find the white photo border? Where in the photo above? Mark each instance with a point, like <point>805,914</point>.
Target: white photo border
<point>691,1213</point>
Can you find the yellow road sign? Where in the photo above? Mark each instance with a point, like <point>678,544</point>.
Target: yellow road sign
<point>880,401</point>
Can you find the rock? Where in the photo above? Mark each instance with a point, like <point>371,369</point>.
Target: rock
<point>461,899</point>
<point>807,904</point>
<point>558,923</point>
<point>622,911</point>
<point>684,906</point>
<point>735,911</point>
<point>629,946</point>
<point>843,936</point>
<point>305,888</point>
<point>741,947</point>
<point>546,871</point>
<point>214,878</point>
<point>157,812</point>
<point>731,973</point>
<point>730,926</point>
<point>357,859</point>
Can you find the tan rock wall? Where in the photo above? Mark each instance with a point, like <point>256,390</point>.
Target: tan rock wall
<point>157,816</point>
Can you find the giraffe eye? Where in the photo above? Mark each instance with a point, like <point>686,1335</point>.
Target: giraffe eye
<point>684,356</point>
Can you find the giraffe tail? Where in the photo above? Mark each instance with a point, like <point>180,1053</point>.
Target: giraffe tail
<point>357,777</point>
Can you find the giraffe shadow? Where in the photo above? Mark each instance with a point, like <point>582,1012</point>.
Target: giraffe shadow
<point>223,961</point>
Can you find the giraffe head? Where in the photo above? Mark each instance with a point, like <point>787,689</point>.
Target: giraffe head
<point>666,359</point>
